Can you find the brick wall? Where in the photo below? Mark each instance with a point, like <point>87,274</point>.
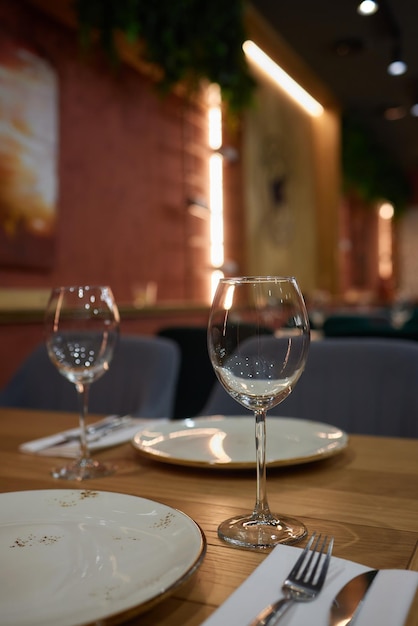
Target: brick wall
<point>129,163</point>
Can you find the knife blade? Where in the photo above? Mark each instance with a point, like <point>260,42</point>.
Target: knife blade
<point>347,603</point>
<point>94,431</point>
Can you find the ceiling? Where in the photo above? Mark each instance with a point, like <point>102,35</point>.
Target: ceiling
<point>350,54</point>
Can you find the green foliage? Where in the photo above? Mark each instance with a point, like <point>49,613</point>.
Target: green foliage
<point>188,40</point>
<point>368,169</point>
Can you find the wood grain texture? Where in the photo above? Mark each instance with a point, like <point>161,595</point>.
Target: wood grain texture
<point>367,497</point>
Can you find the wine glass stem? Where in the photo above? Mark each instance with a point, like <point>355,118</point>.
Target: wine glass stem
<point>83,400</point>
<point>261,509</point>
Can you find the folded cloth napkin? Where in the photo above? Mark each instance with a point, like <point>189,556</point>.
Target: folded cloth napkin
<point>50,446</point>
<point>387,602</point>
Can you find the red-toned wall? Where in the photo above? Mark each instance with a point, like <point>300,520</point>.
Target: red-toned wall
<point>129,163</point>
<point>359,249</point>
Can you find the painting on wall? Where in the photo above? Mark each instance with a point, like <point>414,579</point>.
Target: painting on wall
<point>28,156</point>
<point>279,186</point>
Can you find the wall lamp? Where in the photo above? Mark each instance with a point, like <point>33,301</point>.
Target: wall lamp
<point>397,67</point>
<point>282,79</point>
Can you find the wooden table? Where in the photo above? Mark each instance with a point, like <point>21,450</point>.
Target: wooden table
<point>366,496</point>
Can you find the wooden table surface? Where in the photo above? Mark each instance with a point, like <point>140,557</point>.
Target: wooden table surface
<point>366,496</point>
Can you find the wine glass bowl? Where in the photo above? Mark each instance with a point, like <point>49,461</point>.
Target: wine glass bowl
<point>258,342</point>
<point>82,329</point>
<point>81,357</point>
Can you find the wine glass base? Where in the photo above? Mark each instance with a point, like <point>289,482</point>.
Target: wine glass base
<point>249,532</point>
<point>83,469</point>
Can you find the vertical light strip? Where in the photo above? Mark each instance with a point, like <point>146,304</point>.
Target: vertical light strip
<point>216,204</point>
<point>385,215</point>
<point>282,79</point>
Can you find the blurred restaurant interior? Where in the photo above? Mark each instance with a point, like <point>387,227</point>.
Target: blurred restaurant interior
<point>104,179</point>
<point>148,149</point>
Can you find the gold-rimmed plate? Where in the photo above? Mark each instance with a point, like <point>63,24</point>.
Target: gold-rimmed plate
<point>227,442</point>
<point>73,557</point>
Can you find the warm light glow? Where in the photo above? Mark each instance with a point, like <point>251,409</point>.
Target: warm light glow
<point>216,210</point>
<point>394,113</point>
<point>215,185</point>
<point>386,212</point>
<point>282,79</point>
<point>214,280</point>
<point>215,128</point>
<point>229,297</point>
<point>216,446</point>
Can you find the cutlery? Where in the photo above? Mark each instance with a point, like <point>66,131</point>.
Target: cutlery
<point>303,583</point>
<point>349,600</point>
<point>94,431</point>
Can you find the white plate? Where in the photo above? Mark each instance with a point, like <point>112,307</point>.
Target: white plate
<point>229,442</point>
<point>71,557</point>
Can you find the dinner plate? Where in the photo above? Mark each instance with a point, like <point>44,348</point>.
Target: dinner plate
<point>72,557</point>
<point>222,442</point>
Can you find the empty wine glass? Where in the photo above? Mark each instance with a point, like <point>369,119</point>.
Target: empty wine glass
<point>82,329</point>
<point>258,342</point>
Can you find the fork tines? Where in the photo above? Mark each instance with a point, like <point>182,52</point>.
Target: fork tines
<point>311,567</point>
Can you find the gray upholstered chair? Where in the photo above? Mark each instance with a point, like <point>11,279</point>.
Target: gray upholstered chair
<point>141,381</point>
<point>362,385</point>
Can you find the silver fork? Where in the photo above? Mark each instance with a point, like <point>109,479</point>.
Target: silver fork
<point>304,581</point>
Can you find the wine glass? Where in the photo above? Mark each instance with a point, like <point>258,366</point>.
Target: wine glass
<point>82,329</point>
<point>258,342</point>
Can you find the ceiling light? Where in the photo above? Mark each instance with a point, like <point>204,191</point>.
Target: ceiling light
<point>367,7</point>
<point>397,67</point>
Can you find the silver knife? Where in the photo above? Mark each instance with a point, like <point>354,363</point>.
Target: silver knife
<point>349,600</point>
<point>94,432</point>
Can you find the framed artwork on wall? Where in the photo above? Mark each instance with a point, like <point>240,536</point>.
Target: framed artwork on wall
<point>28,156</point>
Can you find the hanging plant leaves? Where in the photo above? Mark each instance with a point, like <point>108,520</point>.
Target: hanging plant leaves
<point>189,40</point>
<point>369,170</point>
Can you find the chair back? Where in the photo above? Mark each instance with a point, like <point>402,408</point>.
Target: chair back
<point>358,325</point>
<point>362,385</point>
<point>196,376</point>
<point>141,381</point>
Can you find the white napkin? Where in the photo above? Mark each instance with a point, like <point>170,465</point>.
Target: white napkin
<point>387,602</point>
<point>71,449</point>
